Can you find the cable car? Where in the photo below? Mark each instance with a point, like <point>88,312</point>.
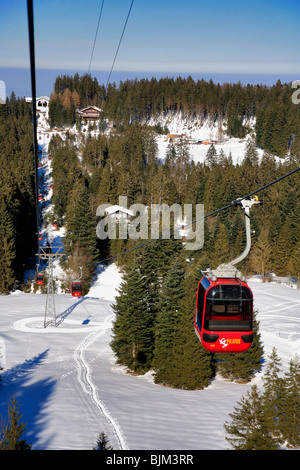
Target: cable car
<point>40,197</point>
<point>40,279</point>
<point>224,308</point>
<point>224,315</point>
<point>76,289</point>
<point>55,224</point>
<point>40,236</point>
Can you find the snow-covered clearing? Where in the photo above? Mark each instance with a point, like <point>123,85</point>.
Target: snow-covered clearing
<point>70,389</point>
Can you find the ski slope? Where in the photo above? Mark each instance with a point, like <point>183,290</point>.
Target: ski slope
<point>70,388</point>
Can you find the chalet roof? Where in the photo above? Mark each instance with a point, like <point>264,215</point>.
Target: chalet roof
<point>91,107</point>
<point>113,209</point>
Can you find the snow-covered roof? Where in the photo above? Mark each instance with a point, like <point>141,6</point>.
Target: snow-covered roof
<point>91,107</point>
<point>116,208</point>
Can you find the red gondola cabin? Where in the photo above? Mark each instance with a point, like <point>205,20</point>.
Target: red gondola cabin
<point>40,279</point>
<point>76,289</point>
<point>224,315</point>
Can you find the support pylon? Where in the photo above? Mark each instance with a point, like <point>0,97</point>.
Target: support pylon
<point>50,253</point>
<point>50,303</point>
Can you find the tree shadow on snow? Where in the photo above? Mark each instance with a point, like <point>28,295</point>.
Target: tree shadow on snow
<point>31,397</point>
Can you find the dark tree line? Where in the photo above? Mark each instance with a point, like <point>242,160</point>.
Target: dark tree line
<point>17,192</point>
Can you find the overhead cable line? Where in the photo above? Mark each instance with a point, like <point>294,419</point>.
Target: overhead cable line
<point>100,14</point>
<point>33,93</point>
<point>233,203</point>
<point>121,38</point>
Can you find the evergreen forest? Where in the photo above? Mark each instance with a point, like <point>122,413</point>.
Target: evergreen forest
<point>153,326</point>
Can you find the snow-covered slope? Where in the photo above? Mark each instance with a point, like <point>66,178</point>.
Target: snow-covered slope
<point>70,389</point>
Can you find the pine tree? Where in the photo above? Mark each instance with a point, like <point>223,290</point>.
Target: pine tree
<point>289,418</point>
<point>7,249</point>
<point>248,429</point>
<point>81,222</point>
<point>166,326</point>
<point>251,154</point>
<point>261,255</point>
<point>102,442</point>
<point>284,248</point>
<point>211,158</point>
<point>11,438</point>
<point>133,326</point>
<point>272,392</point>
<point>194,366</point>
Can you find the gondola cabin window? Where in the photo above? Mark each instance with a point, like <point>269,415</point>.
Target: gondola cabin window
<point>228,308</point>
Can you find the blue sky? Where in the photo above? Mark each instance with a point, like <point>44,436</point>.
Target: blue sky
<point>167,36</point>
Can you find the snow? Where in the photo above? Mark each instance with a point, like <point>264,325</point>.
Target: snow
<point>194,131</point>
<point>70,388</point>
<point>233,146</point>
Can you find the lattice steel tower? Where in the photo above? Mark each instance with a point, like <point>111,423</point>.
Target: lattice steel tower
<point>50,253</point>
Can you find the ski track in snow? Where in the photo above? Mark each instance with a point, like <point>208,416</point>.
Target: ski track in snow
<point>84,376</point>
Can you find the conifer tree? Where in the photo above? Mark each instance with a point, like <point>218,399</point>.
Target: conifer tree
<point>166,326</point>
<point>261,255</point>
<point>251,154</point>
<point>81,222</point>
<point>193,365</point>
<point>102,442</point>
<point>133,326</point>
<point>248,429</point>
<point>211,158</point>
<point>7,250</point>
<point>284,248</point>
<point>289,418</point>
<point>272,392</point>
<point>11,435</point>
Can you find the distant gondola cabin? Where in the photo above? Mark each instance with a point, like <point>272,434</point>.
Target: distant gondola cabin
<point>40,279</point>
<point>76,289</point>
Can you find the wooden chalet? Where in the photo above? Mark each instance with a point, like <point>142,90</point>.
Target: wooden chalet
<point>91,113</point>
